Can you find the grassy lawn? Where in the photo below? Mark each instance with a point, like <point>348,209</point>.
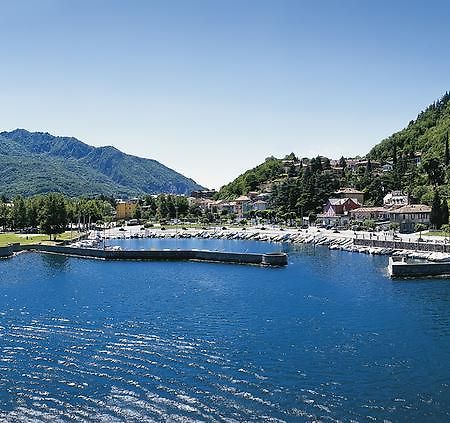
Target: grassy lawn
<point>9,238</point>
<point>436,233</point>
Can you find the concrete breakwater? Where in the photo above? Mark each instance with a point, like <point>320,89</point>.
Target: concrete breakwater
<point>265,259</point>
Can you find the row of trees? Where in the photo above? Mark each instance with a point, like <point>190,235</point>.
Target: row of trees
<point>51,213</point>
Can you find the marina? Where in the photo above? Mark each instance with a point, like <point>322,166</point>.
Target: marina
<point>188,341</point>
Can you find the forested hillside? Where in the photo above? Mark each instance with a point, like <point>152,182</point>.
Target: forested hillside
<point>425,134</point>
<point>34,162</point>
<point>415,159</point>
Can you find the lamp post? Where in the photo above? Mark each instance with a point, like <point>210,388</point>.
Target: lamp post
<point>176,225</point>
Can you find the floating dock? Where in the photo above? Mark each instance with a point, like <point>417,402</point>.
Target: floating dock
<point>398,267</point>
<point>276,259</point>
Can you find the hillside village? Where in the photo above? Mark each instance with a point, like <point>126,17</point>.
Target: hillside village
<point>344,207</point>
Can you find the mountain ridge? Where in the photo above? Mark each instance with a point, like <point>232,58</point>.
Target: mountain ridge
<point>68,165</point>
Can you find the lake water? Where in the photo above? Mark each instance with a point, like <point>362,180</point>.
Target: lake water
<point>328,338</point>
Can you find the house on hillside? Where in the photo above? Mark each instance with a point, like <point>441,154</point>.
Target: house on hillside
<point>395,199</point>
<point>260,205</point>
<point>357,196</point>
<point>336,211</point>
<point>264,196</point>
<point>206,193</point>
<point>417,158</point>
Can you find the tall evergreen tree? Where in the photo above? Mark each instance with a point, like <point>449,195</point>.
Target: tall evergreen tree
<point>436,210</point>
<point>444,219</point>
<point>447,152</point>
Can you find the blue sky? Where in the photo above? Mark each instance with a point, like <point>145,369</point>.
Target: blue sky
<point>211,88</point>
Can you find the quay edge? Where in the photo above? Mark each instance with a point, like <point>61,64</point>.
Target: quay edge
<point>277,259</point>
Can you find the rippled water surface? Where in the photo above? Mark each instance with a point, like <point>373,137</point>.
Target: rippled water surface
<point>329,338</point>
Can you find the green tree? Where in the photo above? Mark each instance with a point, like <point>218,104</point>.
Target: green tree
<point>53,215</point>
<point>436,210</point>
<point>434,170</point>
<point>137,213</point>
<point>447,152</point>
<point>444,211</point>
<point>5,215</point>
<point>19,213</point>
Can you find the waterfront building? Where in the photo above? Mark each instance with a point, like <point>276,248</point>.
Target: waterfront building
<point>243,205</point>
<point>372,213</point>
<point>221,206</point>
<point>409,216</point>
<point>125,208</point>
<point>205,204</point>
<point>337,211</point>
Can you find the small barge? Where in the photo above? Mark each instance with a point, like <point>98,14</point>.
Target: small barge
<point>398,267</point>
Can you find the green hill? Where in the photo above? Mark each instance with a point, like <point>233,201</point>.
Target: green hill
<point>425,134</point>
<point>36,162</point>
<point>252,179</point>
<point>417,159</point>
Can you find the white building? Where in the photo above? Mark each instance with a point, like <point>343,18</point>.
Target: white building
<point>396,199</point>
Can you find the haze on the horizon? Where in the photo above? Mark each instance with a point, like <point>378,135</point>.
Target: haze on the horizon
<point>211,88</point>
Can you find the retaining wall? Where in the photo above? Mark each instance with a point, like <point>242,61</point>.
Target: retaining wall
<point>402,245</point>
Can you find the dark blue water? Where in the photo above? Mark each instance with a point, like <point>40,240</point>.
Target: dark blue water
<point>329,338</point>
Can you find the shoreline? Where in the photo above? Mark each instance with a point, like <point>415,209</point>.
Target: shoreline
<point>363,242</point>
